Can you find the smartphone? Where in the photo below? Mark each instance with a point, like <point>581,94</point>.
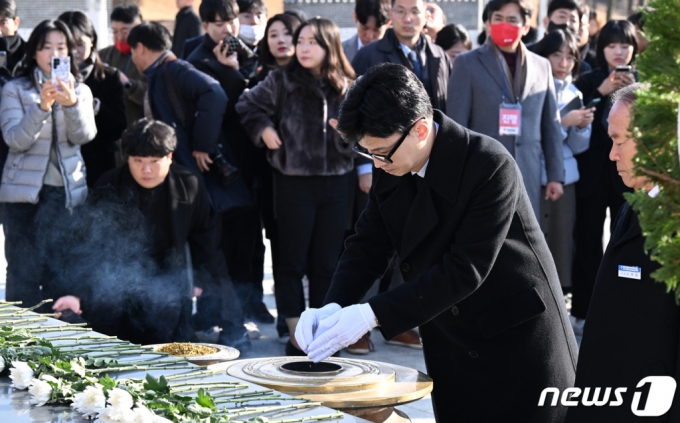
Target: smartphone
<point>593,103</point>
<point>623,69</point>
<point>3,59</point>
<point>232,43</point>
<point>61,68</point>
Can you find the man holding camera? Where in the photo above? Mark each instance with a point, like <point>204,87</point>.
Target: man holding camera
<point>223,55</point>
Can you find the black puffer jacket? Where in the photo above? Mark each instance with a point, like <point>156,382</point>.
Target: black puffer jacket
<point>310,145</point>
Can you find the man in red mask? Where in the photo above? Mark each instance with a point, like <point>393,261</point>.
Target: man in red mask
<point>507,92</point>
<point>123,19</point>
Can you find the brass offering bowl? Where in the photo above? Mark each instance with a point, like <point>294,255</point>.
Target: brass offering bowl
<point>221,355</point>
<point>339,383</point>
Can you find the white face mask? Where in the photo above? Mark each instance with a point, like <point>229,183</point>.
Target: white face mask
<point>251,34</point>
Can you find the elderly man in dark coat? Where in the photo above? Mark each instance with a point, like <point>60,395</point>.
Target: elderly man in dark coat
<point>479,279</point>
<point>633,326</point>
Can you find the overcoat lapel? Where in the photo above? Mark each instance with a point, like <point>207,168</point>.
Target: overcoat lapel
<point>531,76</point>
<point>490,61</point>
<point>628,229</point>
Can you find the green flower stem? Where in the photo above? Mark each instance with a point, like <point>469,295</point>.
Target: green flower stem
<point>253,410</point>
<point>269,398</point>
<point>211,386</point>
<point>61,329</point>
<point>30,328</point>
<point>244,394</point>
<point>23,321</point>
<point>9,303</point>
<point>206,383</point>
<point>137,367</point>
<point>194,374</point>
<point>336,415</point>
<point>37,305</point>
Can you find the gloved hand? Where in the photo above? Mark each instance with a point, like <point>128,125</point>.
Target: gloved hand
<point>341,330</point>
<point>309,322</point>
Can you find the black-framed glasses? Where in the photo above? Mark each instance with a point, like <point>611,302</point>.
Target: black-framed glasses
<point>388,158</point>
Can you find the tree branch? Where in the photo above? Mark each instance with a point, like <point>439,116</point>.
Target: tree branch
<point>659,176</point>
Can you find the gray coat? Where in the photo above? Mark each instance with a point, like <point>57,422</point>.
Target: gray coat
<point>350,47</point>
<point>28,133</point>
<point>475,94</point>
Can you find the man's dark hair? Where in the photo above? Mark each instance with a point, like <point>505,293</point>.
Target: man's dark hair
<point>627,95</point>
<point>210,10</point>
<point>8,9</point>
<point>126,13</point>
<point>525,8</point>
<point>149,138</point>
<point>554,5</point>
<point>637,19</point>
<point>451,35</point>
<point>379,9</point>
<point>386,100</point>
<point>151,35</point>
<point>245,6</point>
<point>615,31</point>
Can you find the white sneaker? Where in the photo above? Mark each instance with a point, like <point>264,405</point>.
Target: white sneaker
<point>284,339</point>
<point>253,330</point>
<point>577,325</point>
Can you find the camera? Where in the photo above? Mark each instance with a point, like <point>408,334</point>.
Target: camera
<point>225,172</point>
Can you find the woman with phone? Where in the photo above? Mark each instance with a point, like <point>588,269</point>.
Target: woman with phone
<point>290,114</point>
<point>557,218</point>
<point>108,93</point>
<point>44,121</point>
<point>599,187</point>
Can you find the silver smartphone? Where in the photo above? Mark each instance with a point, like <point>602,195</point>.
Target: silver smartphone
<point>61,68</point>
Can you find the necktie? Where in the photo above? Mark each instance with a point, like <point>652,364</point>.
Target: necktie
<point>413,57</point>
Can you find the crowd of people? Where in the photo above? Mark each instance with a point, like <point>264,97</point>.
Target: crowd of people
<point>200,140</point>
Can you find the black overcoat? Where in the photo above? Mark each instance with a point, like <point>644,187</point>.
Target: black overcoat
<point>632,330</point>
<point>479,280</point>
<point>386,50</point>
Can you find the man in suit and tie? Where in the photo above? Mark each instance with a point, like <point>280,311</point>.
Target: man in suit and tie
<point>504,91</point>
<point>479,279</point>
<point>405,44</point>
<point>372,20</point>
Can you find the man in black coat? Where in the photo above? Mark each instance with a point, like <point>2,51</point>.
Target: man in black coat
<point>633,325</point>
<point>406,45</point>
<point>479,278</point>
<point>174,211</point>
<point>241,239</point>
<point>187,25</point>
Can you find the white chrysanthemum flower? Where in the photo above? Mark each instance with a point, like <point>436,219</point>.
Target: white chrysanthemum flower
<point>2,363</point>
<point>144,415</point>
<point>89,402</point>
<point>21,375</point>
<point>116,415</point>
<point>40,391</point>
<point>120,398</point>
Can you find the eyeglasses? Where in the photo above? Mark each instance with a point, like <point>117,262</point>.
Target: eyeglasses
<point>388,158</point>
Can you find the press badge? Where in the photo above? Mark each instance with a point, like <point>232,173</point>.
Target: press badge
<point>630,272</point>
<point>510,119</point>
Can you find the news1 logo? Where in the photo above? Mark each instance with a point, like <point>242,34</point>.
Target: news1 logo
<point>659,398</point>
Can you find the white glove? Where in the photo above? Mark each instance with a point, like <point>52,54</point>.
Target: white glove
<point>341,330</point>
<point>309,322</point>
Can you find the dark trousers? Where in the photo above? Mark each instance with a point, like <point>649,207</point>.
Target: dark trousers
<point>591,212</point>
<point>30,272</point>
<point>311,213</point>
<point>244,252</point>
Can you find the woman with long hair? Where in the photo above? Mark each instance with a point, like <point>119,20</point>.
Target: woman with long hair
<point>44,122</point>
<point>599,187</point>
<point>279,48</point>
<point>107,90</point>
<point>557,218</point>
<point>289,113</point>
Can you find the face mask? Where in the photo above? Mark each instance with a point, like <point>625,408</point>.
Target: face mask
<point>251,34</point>
<point>505,34</point>
<point>123,47</point>
<point>553,27</point>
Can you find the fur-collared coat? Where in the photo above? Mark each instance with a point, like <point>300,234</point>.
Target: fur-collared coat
<point>310,145</point>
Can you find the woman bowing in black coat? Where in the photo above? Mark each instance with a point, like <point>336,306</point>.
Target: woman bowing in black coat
<point>107,90</point>
<point>633,325</point>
